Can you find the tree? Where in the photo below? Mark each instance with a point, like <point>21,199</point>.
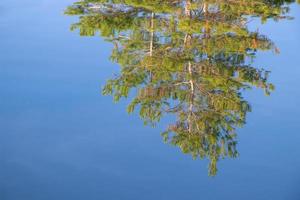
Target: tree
<point>191,59</point>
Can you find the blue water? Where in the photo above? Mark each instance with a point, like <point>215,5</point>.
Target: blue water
<point>61,139</point>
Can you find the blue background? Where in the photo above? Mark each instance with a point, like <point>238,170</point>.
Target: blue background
<point>61,139</point>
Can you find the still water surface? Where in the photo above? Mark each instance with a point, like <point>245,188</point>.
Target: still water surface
<point>62,139</point>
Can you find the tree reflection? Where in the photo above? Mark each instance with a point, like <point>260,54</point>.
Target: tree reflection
<point>189,58</point>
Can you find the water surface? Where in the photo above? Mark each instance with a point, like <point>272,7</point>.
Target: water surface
<point>62,139</point>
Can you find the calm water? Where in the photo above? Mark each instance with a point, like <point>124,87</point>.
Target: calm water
<point>61,138</point>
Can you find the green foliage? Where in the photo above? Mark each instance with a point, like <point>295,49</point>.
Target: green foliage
<point>187,58</point>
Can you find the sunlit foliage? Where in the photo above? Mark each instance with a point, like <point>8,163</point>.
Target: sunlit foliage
<point>191,59</point>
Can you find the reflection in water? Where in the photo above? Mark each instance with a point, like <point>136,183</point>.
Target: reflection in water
<point>189,58</point>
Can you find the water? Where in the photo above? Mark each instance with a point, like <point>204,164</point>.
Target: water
<point>62,139</point>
